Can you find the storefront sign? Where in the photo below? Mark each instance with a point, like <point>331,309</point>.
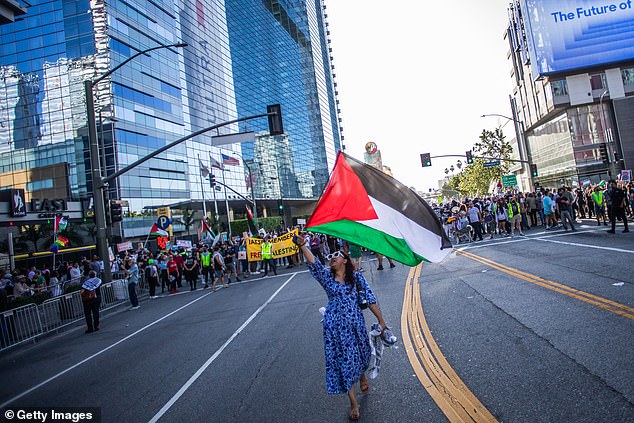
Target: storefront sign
<point>18,206</point>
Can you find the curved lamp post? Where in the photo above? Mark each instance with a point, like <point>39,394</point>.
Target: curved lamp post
<point>98,183</point>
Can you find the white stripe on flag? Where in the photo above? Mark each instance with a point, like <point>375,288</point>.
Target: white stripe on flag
<point>394,223</point>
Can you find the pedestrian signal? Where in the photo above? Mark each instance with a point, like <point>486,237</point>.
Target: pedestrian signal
<point>116,212</point>
<point>603,153</point>
<point>425,159</point>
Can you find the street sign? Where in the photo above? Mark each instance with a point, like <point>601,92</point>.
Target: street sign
<point>491,164</point>
<point>163,222</point>
<point>509,180</point>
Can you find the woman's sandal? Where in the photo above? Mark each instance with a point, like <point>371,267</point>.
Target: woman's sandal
<point>354,414</point>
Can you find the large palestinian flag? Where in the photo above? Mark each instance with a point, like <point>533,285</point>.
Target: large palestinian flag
<point>367,207</point>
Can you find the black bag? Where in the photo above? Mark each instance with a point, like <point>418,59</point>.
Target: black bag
<point>362,298</point>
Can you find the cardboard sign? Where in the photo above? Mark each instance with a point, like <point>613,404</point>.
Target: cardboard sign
<point>283,246</point>
<point>124,246</point>
<point>185,243</point>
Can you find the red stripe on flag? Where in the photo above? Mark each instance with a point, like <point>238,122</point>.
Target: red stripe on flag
<point>344,198</point>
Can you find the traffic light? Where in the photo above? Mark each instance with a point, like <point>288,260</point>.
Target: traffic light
<point>603,153</point>
<point>275,121</point>
<point>469,157</point>
<point>425,159</point>
<point>280,206</point>
<point>116,212</point>
<point>108,217</point>
<point>212,178</point>
<point>533,170</point>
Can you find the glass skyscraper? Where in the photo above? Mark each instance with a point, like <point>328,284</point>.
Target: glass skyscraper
<point>241,56</point>
<point>280,54</point>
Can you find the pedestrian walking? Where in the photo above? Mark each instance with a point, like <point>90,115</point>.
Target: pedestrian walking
<point>267,256</point>
<point>133,280</point>
<point>191,271</point>
<point>475,219</point>
<point>219,268</point>
<point>172,274</point>
<point>617,205</point>
<point>346,342</point>
<point>91,298</point>
<point>599,209</point>
<point>151,276</point>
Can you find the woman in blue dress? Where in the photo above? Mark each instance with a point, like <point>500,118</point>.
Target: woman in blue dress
<point>346,342</point>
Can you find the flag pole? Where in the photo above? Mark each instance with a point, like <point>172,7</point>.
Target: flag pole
<point>226,203</point>
<point>214,192</point>
<point>202,189</point>
<point>146,239</point>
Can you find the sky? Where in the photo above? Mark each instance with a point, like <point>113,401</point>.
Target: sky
<point>416,76</point>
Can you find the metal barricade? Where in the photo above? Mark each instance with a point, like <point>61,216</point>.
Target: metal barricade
<point>27,322</point>
<point>61,311</point>
<point>19,325</point>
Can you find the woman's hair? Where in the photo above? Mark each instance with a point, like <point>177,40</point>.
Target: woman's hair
<point>348,276</point>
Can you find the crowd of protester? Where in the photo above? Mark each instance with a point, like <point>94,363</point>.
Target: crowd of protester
<point>508,214</point>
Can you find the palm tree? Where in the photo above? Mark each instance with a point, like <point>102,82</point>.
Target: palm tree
<point>187,219</point>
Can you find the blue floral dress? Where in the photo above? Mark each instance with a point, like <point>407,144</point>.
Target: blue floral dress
<point>346,342</point>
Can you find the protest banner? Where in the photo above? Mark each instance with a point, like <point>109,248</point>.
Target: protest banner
<point>283,246</point>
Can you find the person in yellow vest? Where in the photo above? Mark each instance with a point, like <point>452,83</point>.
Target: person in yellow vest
<point>205,261</point>
<point>515,217</point>
<point>599,206</point>
<point>267,256</point>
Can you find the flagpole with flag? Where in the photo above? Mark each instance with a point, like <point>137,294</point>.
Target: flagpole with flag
<point>365,206</point>
<point>204,173</point>
<point>226,203</point>
<point>215,163</point>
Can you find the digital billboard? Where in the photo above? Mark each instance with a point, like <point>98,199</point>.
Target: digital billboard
<point>572,34</point>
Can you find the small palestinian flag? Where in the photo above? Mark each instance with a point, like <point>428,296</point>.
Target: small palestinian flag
<point>205,228</point>
<point>157,232</point>
<point>363,205</point>
<point>253,229</point>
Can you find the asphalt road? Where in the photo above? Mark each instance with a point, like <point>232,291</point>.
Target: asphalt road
<point>254,352</point>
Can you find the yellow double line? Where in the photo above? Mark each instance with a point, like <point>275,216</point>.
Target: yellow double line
<point>432,369</point>
<point>605,304</point>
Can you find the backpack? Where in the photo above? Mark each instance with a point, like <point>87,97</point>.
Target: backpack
<point>150,271</point>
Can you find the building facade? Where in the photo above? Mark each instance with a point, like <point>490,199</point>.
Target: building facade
<point>280,54</point>
<point>573,95</point>
<point>240,57</point>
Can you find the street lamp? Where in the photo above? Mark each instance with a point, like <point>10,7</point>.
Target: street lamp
<point>520,135</point>
<point>98,183</point>
<point>459,164</point>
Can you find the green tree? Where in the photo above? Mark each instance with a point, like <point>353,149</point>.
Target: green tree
<point>476,179</point>
<point>187,219</point>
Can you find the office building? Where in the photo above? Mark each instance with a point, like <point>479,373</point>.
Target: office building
<point>573,95</point>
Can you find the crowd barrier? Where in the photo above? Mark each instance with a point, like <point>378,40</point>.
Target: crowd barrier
<point>27,323</point>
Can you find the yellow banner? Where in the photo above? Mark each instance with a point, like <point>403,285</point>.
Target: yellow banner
<point>283,246</point>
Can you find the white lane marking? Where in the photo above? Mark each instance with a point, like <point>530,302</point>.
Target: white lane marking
<point>520,238</point>
<point>211,359</point>
<point>63,372</point>
<point>576,244</point>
